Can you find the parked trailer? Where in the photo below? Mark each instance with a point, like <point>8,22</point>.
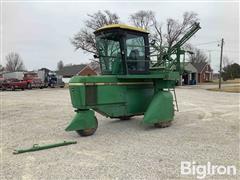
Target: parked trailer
<point>14,75</point>
<point>43,75</point>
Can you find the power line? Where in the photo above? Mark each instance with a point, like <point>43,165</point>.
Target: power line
<point>211,42</point>
<point>216,50</point>
<point>231,51</point>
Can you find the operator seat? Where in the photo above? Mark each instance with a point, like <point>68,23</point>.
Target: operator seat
<point>134,55</point>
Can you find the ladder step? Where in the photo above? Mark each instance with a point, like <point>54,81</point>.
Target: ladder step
<point>174,99</point>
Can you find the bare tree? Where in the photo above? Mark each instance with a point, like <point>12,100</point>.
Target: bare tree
<point>85,39</point>
<point>14,62</point>
<point>1,68</point>
<point>197,55</point>
<point>143,19</point>
<point>60,65</point>
<point>174,28</point>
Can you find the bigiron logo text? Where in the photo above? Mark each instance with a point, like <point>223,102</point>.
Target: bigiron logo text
<point>202,171</point>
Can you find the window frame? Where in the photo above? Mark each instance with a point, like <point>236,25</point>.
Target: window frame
<point>146,57</point>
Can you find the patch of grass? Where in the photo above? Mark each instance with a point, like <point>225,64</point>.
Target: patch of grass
<point>232,81</point>
<point>232,89</point>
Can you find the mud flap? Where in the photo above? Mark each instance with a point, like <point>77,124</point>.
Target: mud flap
<point>160,109</point>
<point>83,120</point>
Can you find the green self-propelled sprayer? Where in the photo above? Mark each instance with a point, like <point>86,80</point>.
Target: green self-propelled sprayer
<point>130,83</point>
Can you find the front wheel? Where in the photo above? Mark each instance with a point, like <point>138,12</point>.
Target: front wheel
<point>89,131</point>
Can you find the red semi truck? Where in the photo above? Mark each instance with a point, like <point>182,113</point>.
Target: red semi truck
<point>37,79</point>
<point>33,81</point>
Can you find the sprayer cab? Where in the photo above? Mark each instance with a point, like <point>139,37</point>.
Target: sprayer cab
<point>123,50</point>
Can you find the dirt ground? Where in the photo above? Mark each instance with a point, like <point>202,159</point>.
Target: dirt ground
<point>205,130</point>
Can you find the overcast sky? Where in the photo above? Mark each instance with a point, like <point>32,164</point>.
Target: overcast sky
<point>41,32</point>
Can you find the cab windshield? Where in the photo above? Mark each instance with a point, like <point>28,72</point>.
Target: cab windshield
<point>122,52</point>
<point>109,50</point>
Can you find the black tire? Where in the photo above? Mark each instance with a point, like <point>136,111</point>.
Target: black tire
<point>23,89</point>
<point>13,88</point>
<point>125,118</point>
<point>88,132</point>
<point>163,124</point>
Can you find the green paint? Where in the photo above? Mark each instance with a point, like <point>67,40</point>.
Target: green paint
<point>84,119</point>
<point>160,109</point>
<point>36,147</point>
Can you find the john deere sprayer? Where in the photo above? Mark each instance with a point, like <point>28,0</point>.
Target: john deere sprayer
<point>131,83</point>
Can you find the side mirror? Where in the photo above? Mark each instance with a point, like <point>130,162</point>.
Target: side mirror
<point>152,43</point>
<point>95,56</point>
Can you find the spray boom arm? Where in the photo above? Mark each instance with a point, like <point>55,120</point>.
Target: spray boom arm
<point>166,61</point>
<point>193,29</point>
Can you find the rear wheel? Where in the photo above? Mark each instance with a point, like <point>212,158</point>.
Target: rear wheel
<point>163,124</point>
<point>13,88</point>
<point>88,132</point>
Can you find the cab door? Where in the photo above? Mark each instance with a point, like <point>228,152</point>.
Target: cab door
<point>137,53</point>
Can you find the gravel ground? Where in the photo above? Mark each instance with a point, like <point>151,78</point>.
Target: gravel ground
<point>205,129</point>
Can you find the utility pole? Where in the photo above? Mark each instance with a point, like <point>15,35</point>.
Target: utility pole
<point>220,71</point>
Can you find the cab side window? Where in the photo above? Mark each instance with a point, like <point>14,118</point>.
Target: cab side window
<point>135,53</point>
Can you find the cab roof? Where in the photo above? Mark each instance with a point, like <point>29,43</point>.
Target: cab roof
<point>121,26</point>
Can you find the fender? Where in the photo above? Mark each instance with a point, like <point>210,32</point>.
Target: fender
<point>160,109</point>
<point>84,119</point>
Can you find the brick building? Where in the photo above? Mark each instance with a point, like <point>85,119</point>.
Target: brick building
<point>81,69</point>
<point>205,72</point>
